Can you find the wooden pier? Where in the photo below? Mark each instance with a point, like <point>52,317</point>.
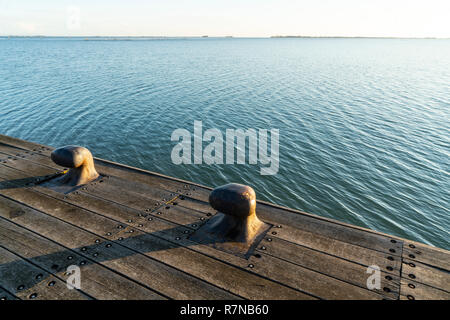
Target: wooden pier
<point>129,231</point>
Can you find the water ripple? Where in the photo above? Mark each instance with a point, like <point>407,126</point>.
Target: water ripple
<point>364,130</point>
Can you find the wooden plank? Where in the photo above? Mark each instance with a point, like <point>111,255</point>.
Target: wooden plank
<point>156,199</point>
<point>425,274</point>
<point>153,179</point>
<point>160,277</point>
<point>5,295</point>
<point>331,230</point>
<point>161,205</point>
<point>360,255</point>
<point>96,280</point>
<point>11,151</point>
<point>427,255</point>
<point>40,173</point>
<point>330,265</point>
<point>42,157</point>
<point>412,290</point>
<point>316,284</point>
<point>24,280</point>
<point>222,275</point>
<point>20,143</point>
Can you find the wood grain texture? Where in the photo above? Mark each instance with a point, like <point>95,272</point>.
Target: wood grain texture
<point>5,295</point>
<point>147,219</point>
<point>161,278</point>
<point>220,274</point>
<point>27,281</point>
<point>315,283</point>
<point>412,290</point>
<point>96,280</point>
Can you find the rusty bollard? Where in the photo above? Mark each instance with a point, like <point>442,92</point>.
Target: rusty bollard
<point>235,228</point>
<point>80,162</point>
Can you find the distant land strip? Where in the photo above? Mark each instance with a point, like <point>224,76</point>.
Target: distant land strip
<point>119,38</point>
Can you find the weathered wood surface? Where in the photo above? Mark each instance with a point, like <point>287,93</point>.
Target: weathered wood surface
<point>129,233</point>
<point>99,281</point>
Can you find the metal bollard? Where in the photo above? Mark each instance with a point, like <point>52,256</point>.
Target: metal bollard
<point>81,162</point>
<point>235,228</point>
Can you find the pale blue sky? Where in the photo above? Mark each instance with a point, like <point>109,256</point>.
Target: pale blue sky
<point>257,18</point>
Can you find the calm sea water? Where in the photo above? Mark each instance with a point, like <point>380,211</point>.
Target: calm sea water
<point>364,123</point>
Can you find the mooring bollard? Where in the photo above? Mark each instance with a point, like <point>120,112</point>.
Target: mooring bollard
<point>80,162</point>
<point>236,227</point>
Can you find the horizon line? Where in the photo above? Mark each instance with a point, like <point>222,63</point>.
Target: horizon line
<point>228,36</point>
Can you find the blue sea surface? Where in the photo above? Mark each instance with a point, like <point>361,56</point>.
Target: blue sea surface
<point>364,123</point>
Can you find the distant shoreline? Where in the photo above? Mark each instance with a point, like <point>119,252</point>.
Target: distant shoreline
<point>346,37</point>
<point>118,38</point>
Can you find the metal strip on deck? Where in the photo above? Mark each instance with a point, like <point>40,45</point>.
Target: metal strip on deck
<point>129,233</point>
